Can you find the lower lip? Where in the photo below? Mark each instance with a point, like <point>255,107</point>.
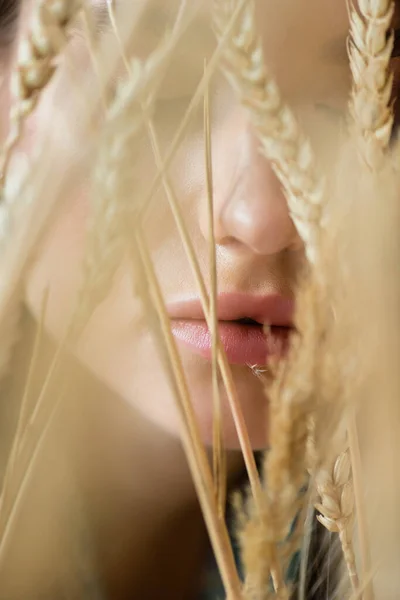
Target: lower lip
<point>243,344</point>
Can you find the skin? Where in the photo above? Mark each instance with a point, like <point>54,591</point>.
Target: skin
<point>132,413</point>
<point>258,251</point>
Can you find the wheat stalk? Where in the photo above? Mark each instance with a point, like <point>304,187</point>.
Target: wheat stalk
<point>191,436</point>
<point>23,413</point>
<point>282,142</point>
<point>335,488</point>
<point>370,50</point>
<point>362,529</point>
<point>7,527</point>
<point>36,65</point>
<point>204,298</point>
<point>197,97</point>
<point>219,460</point>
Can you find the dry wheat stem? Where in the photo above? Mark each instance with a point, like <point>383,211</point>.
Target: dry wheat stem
<point>191,438</point>
<point>218,448</point>
<point>114,176</point>
<point>196,99</point>
<point>226,373</point>
<point>370,50</point>
<point>36,65</point>
<point>282,142</point>
<point>362,529</point>
<point>335,488</point>
<point>193,261</point>
<point>6,533</point>
<point>219,457</point>
<point>23,412</point>
<point>28,434</point>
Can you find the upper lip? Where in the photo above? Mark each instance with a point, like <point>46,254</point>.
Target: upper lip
<point>272,309</point>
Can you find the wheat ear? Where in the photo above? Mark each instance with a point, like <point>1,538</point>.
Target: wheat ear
<point>269,538</point>
<point>36,64</point>
<point>335,488</point>
<point>370,50</point>
<point>282,142</point>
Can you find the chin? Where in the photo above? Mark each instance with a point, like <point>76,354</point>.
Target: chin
<point>250,392</point>
<point>136,373</point>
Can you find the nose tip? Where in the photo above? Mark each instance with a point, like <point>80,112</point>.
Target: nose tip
<point>250,207</point>
<point>255,213</point>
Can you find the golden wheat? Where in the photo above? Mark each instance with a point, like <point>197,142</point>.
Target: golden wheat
<point>315,375</point>
<point>334,485</point>
<point>370,50</point>
<point>36,64</point>
<point>282,142</point>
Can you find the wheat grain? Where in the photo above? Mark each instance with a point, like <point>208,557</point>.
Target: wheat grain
<point>370,50</point>
<point>335,488</point>
<point>282,142</point>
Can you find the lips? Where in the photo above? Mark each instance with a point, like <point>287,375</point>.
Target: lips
<point>241,320</point>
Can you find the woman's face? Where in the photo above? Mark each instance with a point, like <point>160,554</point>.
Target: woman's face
<point>258,250</point>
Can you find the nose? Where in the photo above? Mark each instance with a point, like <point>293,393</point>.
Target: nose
<point>250,210</point>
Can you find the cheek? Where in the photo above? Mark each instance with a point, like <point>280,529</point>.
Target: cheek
<point>57,264</point>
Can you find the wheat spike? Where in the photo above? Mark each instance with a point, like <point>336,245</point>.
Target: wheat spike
<point>273,531</point>
<point>335,488</point>
<point>36,64</point>
<point>282,142</point>
<point>370,50</point>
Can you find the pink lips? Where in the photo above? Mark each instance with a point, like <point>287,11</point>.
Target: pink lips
<point>244,343</point>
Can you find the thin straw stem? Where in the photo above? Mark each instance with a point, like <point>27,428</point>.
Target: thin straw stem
<point>197,97</point>
<point>4,517</point>
<point>218,449</point>
<point>355,456</point>
<point>22,487</point>
<point>226,373</point>
<point>191,438</point>
<point>23,412</point>
<point>218,457</point>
